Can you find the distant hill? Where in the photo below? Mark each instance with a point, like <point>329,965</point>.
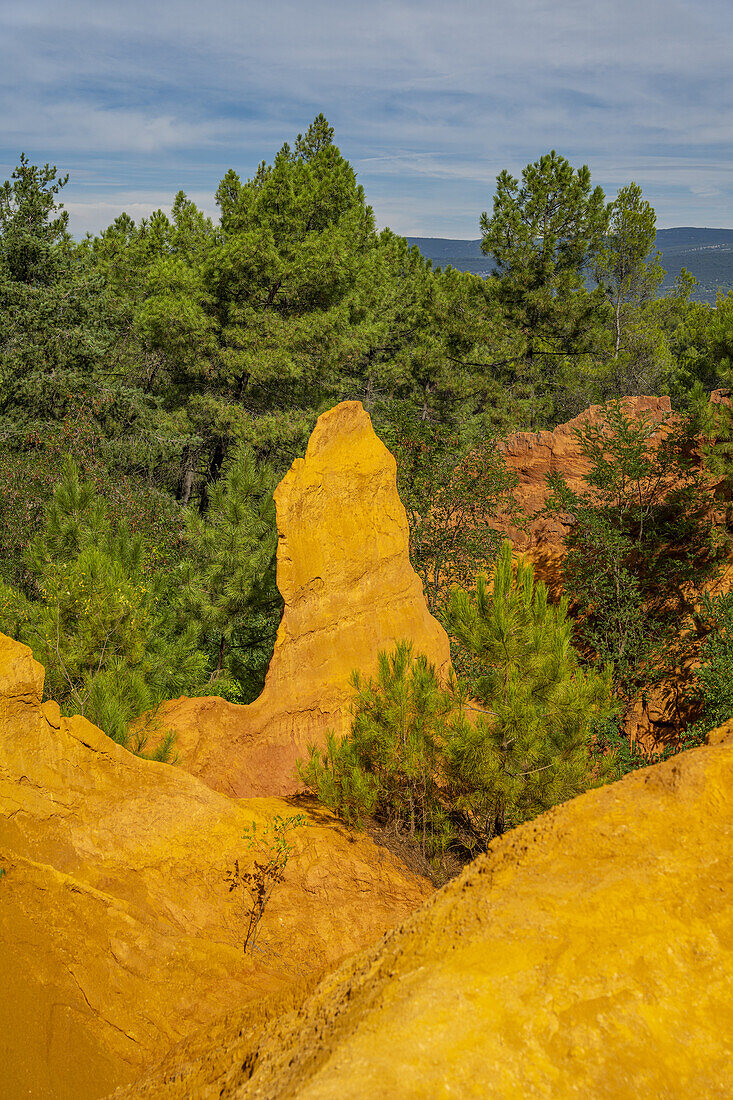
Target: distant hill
<point>706,253</point>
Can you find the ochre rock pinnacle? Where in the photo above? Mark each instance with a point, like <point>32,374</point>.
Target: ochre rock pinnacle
<point>344,572</point>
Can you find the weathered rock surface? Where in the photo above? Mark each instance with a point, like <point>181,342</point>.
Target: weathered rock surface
<point>532,455</point>
<point>344,573</point>
<point>589,954</point>
<point>118,935</point>
<point>662,710</point>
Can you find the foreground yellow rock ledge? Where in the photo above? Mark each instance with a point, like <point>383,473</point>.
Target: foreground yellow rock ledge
<point>118,936</point>
<point>588,955</point>
<point>344,572</point>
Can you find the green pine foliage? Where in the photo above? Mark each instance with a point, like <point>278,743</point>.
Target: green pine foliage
<point>228,578</point>
<point>104,622</point>
<point>445,768</point>
<point>543,235</point>
<point>452,489</point>
<point>391,765</point>
<point>640,533</point>
<point>56,343</point>
<point>181,363</point>
<point>631,281</point>
<point>291,262</point>
<point>536,705</point>
<point>714,677</point>
<point>702,347</point>
<point>712,694</point>
<point>708,351</point>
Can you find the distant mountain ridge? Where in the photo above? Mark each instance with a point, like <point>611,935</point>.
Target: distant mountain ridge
<point>706,253</point>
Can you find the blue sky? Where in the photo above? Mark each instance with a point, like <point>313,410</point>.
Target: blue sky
<point>429,101</point>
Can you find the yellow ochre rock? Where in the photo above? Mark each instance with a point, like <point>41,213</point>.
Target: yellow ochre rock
<point>589,954</point>
<point>344,573</point>
<point>118,934</point>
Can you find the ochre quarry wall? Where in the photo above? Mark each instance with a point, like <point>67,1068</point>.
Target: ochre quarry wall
<point>344,572</point>
<point>589,954</point>
<point>532,455</point>
<point>118,933</point>
<point>663,709</point>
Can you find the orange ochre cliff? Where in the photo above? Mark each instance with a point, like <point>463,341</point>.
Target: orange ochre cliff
<point>663,709</point>
<point>533,455</point>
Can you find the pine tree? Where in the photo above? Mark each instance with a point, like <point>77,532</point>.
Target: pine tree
<point>285,282</point>
<point>228,578</point>
<point>54,336</point>
<point>390,764</point>
<point>447,768</point>
<point>623,266</point>
<point>536,705</point>
<point>543,234</point>
<point>641,534</point>
<point>340,780</point>
<point>706,340</point>
<point>451,491</point>
<point>104,623</point>
<point>714,677</point>
<point>630,274</point>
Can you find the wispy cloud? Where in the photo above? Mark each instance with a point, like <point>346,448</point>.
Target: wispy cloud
<point>429,100</point>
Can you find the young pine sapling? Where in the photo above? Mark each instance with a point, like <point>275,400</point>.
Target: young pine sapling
<point>272,850</point>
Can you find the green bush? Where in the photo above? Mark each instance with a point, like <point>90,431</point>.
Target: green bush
<point>104,622</point>
<point>530,747</point>
<point>641,533</point>
<point>447,770</point>
<point>715,675</point>
<point>391,763</point>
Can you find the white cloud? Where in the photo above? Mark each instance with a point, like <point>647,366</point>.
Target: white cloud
<point>95,214</point>
<point>115,129</point>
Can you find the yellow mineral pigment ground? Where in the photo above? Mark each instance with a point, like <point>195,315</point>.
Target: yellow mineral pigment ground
<point>118,934</point>
<point>588,955</point>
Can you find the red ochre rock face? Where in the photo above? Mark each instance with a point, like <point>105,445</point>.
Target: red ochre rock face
<point>532,455</point>
<point>344,572</point>
<point>118,934</point>
<point>661,711</point>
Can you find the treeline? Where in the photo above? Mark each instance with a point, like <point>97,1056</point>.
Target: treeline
<point>157,379</point>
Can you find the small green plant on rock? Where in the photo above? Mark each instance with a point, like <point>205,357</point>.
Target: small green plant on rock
<point>272,850</point>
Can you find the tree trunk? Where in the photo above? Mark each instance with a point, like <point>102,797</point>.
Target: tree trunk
<point>185,485</point>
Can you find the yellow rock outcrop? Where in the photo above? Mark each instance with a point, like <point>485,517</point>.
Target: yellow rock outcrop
<point>588,954</point>
<point>344,572</point>
<point>118,935</point>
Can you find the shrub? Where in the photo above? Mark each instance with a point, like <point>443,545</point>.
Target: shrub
<point>444,769</point>
<point>272,850</point>
<point>105,624</point>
